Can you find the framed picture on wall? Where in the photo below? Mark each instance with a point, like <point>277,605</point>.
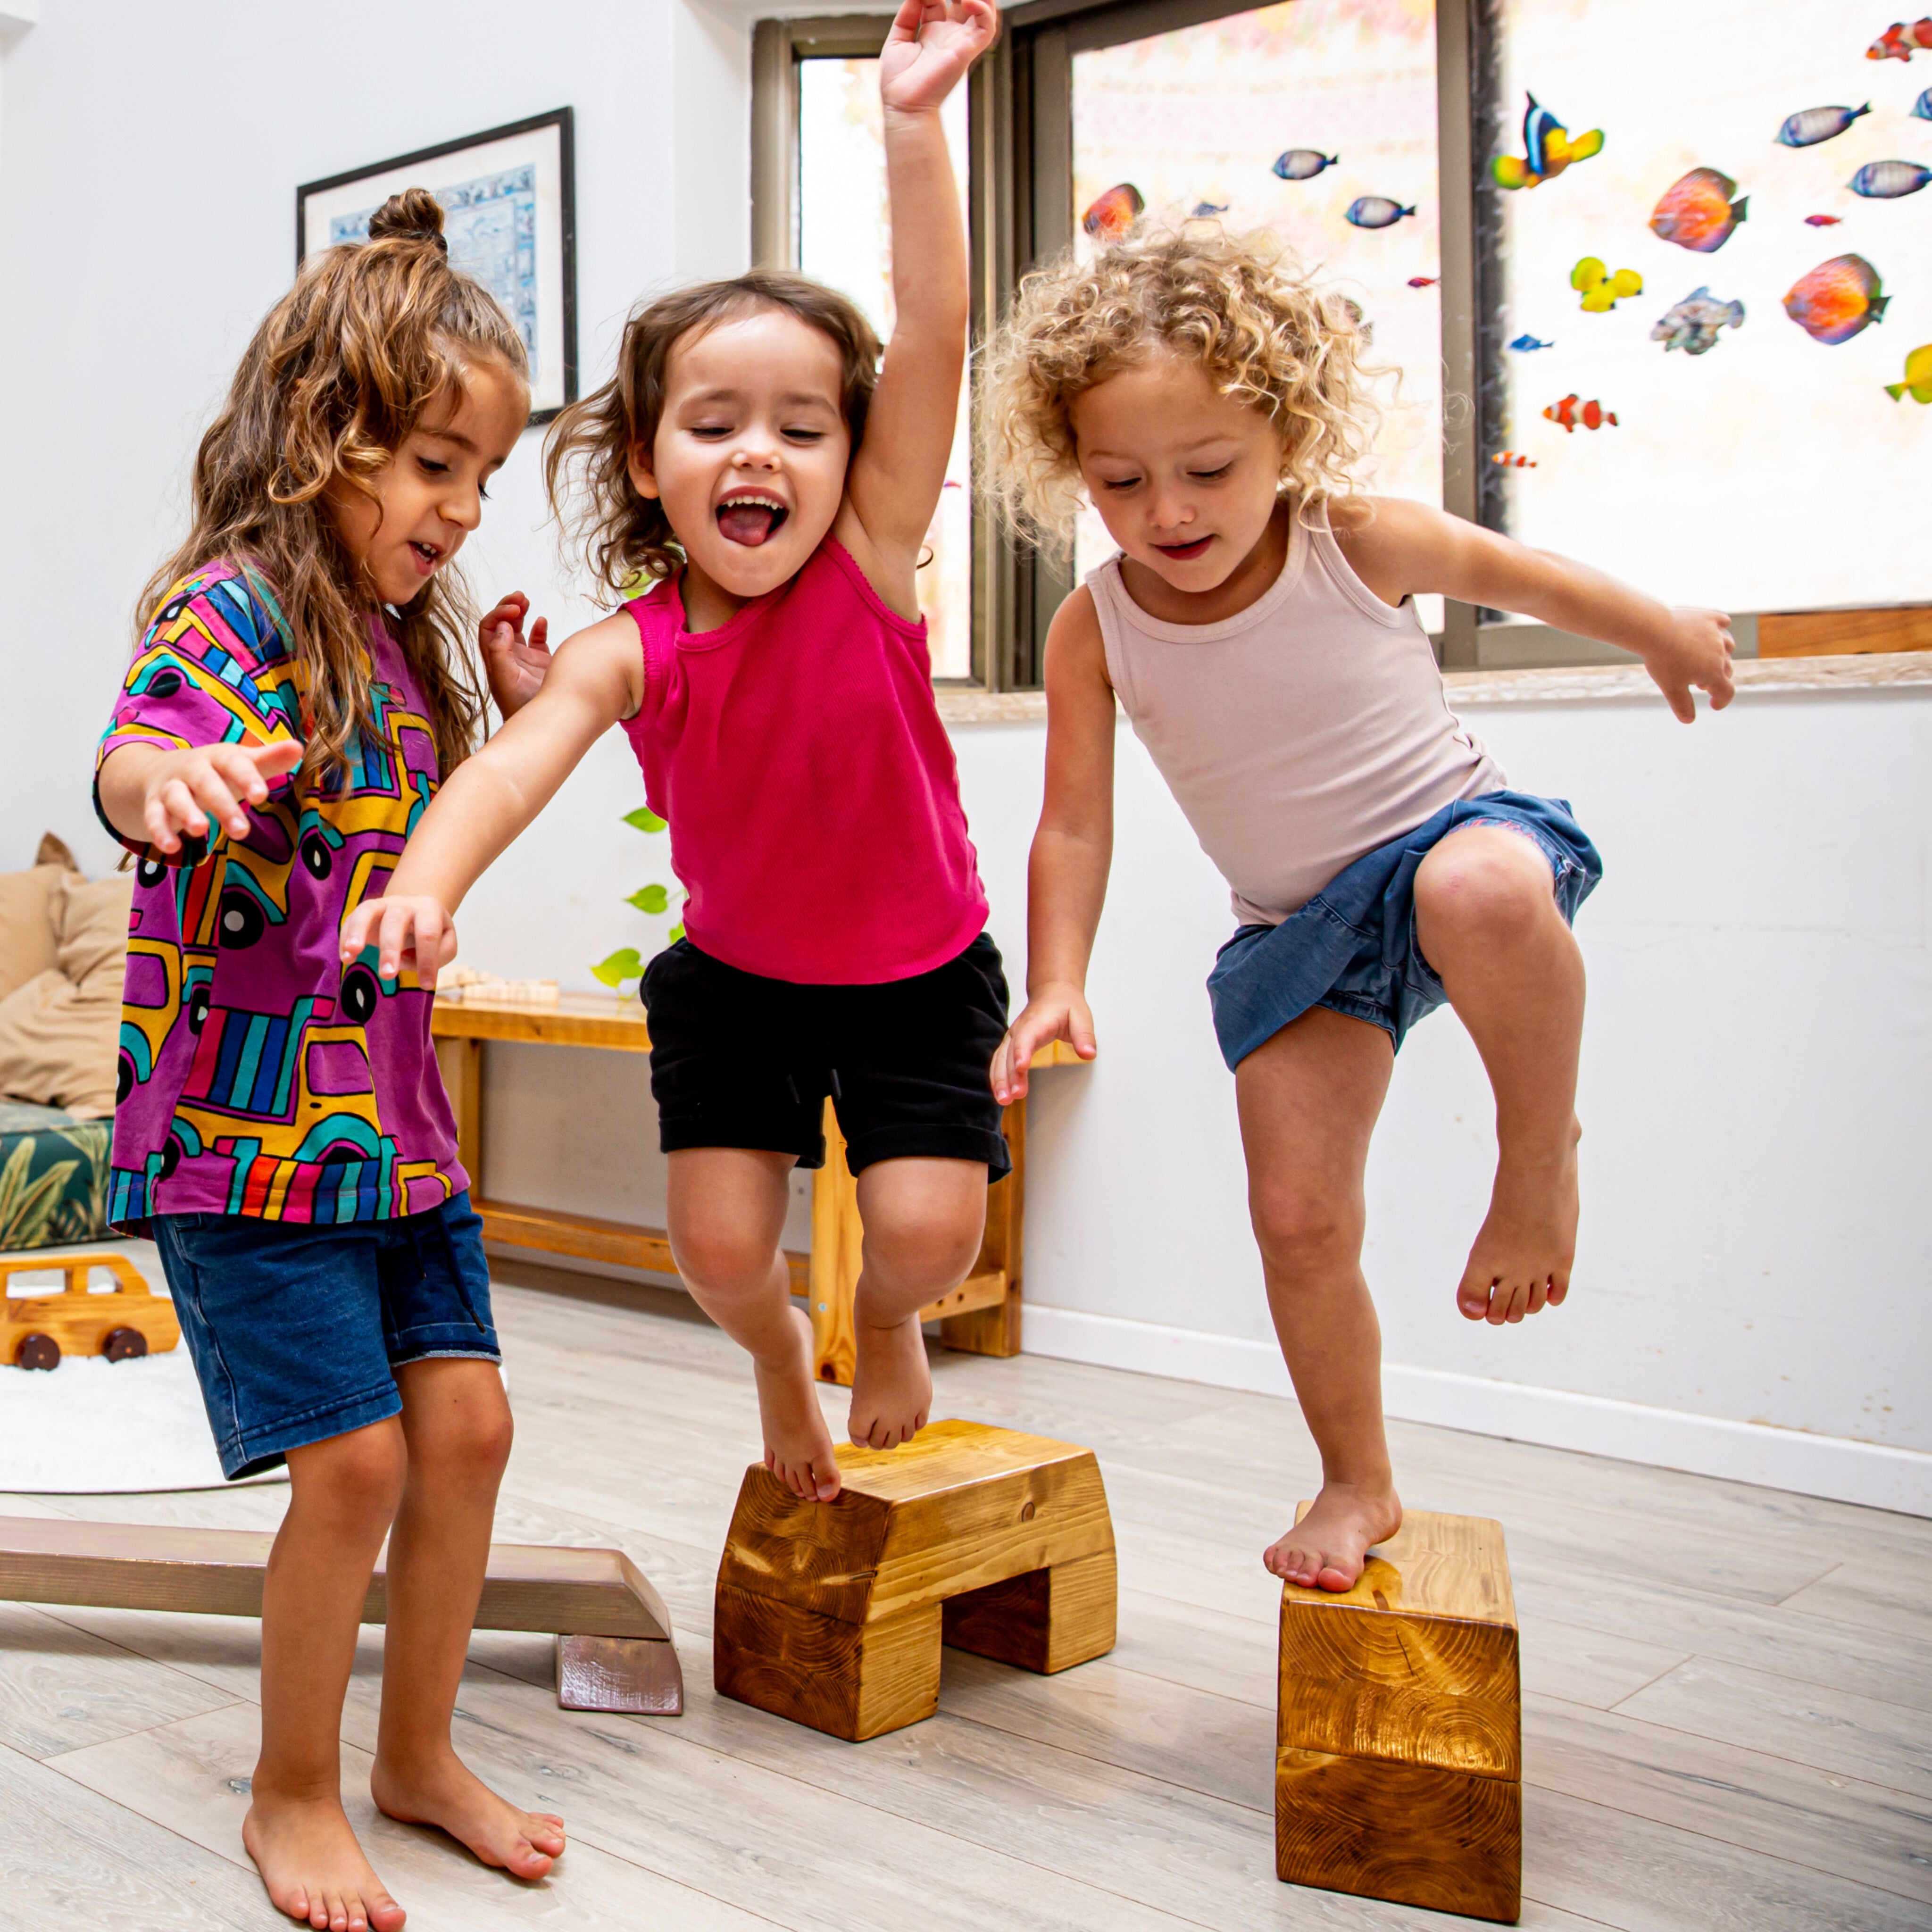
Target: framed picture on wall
<point>509,196</point>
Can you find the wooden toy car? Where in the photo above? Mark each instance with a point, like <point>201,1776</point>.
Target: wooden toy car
<point>128,1321</point>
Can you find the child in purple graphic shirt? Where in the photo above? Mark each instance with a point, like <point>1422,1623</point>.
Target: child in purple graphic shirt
<point>298,693</point>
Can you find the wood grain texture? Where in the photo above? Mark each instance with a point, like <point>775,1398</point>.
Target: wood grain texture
<point>459,1058</point>
<point>550,1231</point>
<point>145,1567</point>
<point>955,1515</point>
<point>1813,634</point>
<point>637,1675</point>
<point>578,1019</point>
<point>838,1244</point>
<point>1410,1834</point>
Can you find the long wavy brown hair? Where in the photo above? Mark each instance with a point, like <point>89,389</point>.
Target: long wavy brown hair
<point>340,371</point>
<point>626,536</point>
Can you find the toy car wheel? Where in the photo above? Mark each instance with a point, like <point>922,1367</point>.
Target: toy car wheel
<point>358,995</point>
<point>123,1345</point>
<point>38,1351</point>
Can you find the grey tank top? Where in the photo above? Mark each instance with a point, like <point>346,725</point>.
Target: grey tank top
<point>1307,730</point>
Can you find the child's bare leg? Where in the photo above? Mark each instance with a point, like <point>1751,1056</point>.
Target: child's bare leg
<point>457,1424</point>
<point>1487,920</point>
<point>344,1493</point>
<point>1308,1099</point>
<point>726,1209</point>
<point>924,1220</point>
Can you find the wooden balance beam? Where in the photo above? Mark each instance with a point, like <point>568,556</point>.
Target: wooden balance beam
<point>1399,1758</point>
<point>613,1643</point>
<point>833,1614</point>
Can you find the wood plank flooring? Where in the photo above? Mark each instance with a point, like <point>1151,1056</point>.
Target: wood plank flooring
<point>1728,1693</point>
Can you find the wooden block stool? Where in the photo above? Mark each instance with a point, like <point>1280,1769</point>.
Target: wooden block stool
<point>1399,1759</point>
<point>833,1614</point>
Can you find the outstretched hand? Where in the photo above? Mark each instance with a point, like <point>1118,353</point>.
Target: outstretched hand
<point>1054,1012</point>
<point>932,44</point>
<point>207,788</point>
<point>515,667</point>
<point>1700,655</point>
<point>411,930</point>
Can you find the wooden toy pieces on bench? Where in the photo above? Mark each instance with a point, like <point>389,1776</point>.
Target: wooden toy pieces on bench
<point>1399,1759</point>
<point>833,1614</point>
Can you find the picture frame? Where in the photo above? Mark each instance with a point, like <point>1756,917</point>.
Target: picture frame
<point>509,197</point>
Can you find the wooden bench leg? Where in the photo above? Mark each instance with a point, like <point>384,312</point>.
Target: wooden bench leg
<point>996,1330</point>
<point>850,1680</point>
<point>837,1240</point>
<point>1047,1620</point>
<point>637,1675</point>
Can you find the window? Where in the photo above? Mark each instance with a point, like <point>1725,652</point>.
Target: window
<point>1732,456</point>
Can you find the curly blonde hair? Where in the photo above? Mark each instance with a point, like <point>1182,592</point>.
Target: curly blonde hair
<point>1237,303</point>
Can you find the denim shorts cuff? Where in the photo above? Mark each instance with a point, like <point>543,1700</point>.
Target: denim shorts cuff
<point>1359,1006</point>
<point>674,1136</point>
<point>441,1338</point>
<point>933,1142</point>
<point>253,1451</point>
<point>471,1355</point>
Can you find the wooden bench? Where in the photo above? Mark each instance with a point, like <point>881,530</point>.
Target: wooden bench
<point>614,1643</point>
<point>981,1316</point>
<point>1399,1746</point>
<point>833,1614</point>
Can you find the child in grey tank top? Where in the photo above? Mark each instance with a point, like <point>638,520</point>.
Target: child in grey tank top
<point>1258,627</point>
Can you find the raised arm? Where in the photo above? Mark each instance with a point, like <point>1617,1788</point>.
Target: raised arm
<point>1404,548</point>
<point>1066,875</point>
<point>595,680</point>
<point>899,469</point>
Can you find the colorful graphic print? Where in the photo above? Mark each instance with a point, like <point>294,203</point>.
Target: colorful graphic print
<point>256,1078</point>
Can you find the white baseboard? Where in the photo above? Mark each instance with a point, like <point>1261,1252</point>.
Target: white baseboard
<point>1831,1466</point>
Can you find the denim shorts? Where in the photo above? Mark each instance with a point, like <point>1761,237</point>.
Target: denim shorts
<point>296,1329</point>
<point>1352,948</point>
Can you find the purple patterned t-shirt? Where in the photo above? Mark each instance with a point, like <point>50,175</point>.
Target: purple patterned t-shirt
<point>257,1077</point>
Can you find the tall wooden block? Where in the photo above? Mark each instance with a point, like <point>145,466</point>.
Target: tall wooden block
<point>1398,1748</point>
<point>833,1614</point>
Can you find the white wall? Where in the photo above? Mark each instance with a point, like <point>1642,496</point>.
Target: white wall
<point>1751,1288</point>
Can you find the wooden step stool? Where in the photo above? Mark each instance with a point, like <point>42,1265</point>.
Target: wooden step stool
<point>833,1614</point>
<point>1399,1759</point>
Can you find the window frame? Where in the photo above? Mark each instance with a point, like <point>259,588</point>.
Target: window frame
<point>1020,136</point>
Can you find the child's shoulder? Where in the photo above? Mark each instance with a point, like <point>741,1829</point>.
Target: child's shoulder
<point>221,605</point>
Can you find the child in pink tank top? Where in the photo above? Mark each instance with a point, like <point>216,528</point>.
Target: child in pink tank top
<point>1259,628</point>
<point>753,462</point>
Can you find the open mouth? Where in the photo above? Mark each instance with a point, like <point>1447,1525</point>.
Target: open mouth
<point>427,556</point>
<point>1185,553</point>
<point>750,520</point>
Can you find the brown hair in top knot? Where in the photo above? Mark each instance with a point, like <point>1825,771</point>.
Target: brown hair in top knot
<point>414,215</point>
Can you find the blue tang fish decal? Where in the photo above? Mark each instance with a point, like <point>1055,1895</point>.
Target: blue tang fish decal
<point>1886,181</point>
<point>1303,163</point>
<point>1814,124</point>
<point>1375,211</point>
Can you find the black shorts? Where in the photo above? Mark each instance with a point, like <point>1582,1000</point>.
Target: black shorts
<point>742,1061</point>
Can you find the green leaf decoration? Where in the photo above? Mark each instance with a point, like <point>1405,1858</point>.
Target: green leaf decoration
<point>622,965</point>
<point>29,1209</point>
<point>675,933</point>
<point>645,820</point>
<point>649,898</point>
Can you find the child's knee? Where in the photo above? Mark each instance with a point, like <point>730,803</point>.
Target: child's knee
<point>926,1241</point>
<point>470,1439</point>
<point>358,1477</point>
<point>1492,884</point>
<point>1303,1235</point>
<point>719,1258</point>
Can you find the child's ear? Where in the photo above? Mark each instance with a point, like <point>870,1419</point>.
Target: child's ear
<point>643,472</point>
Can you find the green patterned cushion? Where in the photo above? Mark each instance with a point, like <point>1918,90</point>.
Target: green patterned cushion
<point>53,1176</point>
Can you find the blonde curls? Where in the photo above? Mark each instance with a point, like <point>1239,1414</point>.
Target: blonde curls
<point>1236,304</point>
<point>338,374</point>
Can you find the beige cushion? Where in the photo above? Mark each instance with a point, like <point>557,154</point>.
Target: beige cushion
<point>26,925</point>
<point>90,921</point>
<point>59,1042</point>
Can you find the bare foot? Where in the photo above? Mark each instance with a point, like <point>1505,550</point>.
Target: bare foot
<point>798,1445</point>
<point>1522,1256</point>
<point>1326,1549</point>
<point>312,1866</point>
<point>892,1385</point>
<point>445,1792</point>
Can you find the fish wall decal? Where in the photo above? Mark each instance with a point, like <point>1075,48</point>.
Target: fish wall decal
<point>1696,212</point>
<point>1814,124</point>
<point>1886,181</point>
<point>1525,345</point>
<point>1114,213</point>
<point>1900,42</point>
<point>1375,211</point>
<point>1568,417</point>
<point>1693,324</point>
<point>1548,148</point>
<point>1509,459</point>
<point>1922,108</point>
<point>1918,383</point>
<point>1837,299</point>
<point>1303,163</point>
<point>1601,289</point>
<point>1822,220</point>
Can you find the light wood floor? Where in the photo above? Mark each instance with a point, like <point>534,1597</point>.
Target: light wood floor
<point>1728,1694</point>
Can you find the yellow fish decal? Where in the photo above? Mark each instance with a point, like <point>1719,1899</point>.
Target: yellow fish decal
<point>1548,148</point>
<point>1918,383</point>
<point>1600,289</point>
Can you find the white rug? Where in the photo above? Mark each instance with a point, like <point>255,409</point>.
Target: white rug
<point>93,1427</point>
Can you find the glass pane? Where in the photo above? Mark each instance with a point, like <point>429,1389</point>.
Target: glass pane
<point>1755,462</point>
<point>1288,118</point>
<point>843,241</point>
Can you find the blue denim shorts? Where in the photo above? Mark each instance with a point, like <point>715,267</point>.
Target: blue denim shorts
<point>1352,948</point>
<point>296,1329</point>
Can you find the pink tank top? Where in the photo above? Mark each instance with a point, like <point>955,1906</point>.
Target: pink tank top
<point>812,790</point>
